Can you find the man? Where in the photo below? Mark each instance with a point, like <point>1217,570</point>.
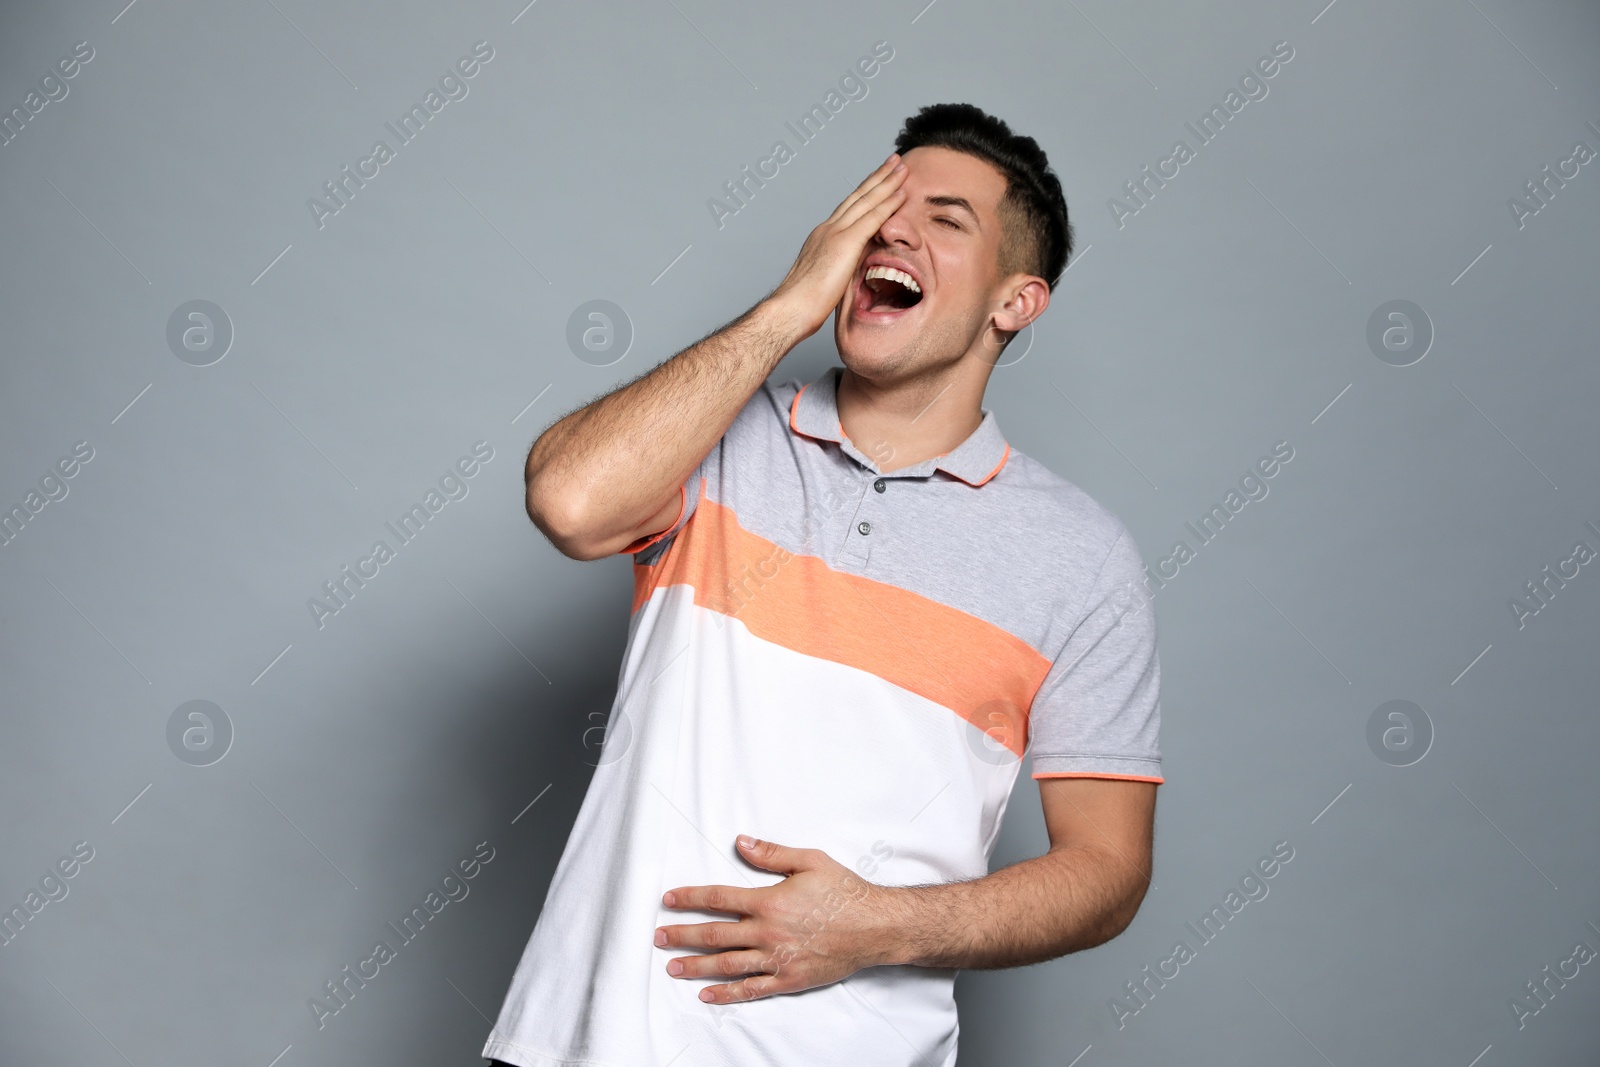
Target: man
<point>855,607</point>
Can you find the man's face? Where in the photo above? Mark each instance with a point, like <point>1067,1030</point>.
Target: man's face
<point>946,236</point>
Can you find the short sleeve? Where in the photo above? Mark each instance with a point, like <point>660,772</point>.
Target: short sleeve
<point>1098,712</point>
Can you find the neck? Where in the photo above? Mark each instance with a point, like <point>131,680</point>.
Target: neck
<point>903,422</point>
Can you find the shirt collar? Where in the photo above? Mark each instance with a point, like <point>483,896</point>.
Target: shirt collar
<point>814,412</point>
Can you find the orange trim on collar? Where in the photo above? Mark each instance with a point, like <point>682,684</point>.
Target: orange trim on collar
<point>794,408</point>
<point>1003,457</point>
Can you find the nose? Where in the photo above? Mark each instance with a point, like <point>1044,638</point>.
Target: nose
<point>897,228</point>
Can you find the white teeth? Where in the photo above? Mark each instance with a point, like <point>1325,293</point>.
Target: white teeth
<point>895,276</point>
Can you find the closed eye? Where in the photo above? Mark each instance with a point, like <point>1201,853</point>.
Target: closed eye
<point>948,222</point>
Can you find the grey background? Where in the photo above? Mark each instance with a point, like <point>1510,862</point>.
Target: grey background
<point>466,680</point>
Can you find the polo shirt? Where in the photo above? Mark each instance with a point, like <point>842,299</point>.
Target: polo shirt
<point>828,655</point>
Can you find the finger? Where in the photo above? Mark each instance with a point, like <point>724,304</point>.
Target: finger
<point>753,988</point>
<point>716,935</point>
<point>771,856</point>
<point>878,204</point>
<point>721,964</point>
<point>726,898</point>
<point>890,168</point>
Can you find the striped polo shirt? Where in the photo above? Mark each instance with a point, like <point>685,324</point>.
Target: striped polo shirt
<point>830,656</point>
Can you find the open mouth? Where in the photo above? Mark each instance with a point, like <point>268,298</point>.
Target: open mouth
<point>886,291</point>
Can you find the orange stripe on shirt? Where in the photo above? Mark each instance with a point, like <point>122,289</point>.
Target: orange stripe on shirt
<point>1097,774</point>
<point>974,668</point>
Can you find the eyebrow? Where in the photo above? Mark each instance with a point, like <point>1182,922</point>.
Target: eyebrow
<point>955,201</point>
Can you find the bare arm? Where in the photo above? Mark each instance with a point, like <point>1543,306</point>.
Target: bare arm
<point>1081,893</point>
<point>609,473</point>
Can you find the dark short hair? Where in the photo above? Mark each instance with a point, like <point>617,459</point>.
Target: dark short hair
<point>1036,236</point>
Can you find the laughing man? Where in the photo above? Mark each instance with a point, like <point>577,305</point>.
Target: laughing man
<point>855,607</point>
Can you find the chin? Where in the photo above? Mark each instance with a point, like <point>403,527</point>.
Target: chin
<point>900,353</point>
<point>874,357</point>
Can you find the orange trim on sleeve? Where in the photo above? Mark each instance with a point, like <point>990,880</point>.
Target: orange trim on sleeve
<point>1096,774</point>
<point>643,543</point>
<point>978,670</point>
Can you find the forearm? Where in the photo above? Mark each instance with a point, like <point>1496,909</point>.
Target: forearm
<point>606,467</point>
<point>1067,900</point>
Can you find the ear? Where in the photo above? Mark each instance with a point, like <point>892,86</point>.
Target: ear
<point>1029,297</point>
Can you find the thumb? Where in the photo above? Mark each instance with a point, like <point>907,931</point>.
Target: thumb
<point>771,856</point>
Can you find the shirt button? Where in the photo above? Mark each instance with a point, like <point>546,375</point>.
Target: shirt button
<point>879,485</point>
<point>864,527</point>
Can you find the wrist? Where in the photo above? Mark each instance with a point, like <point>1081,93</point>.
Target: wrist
<point>784,319</point>
<point>891,945</point>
